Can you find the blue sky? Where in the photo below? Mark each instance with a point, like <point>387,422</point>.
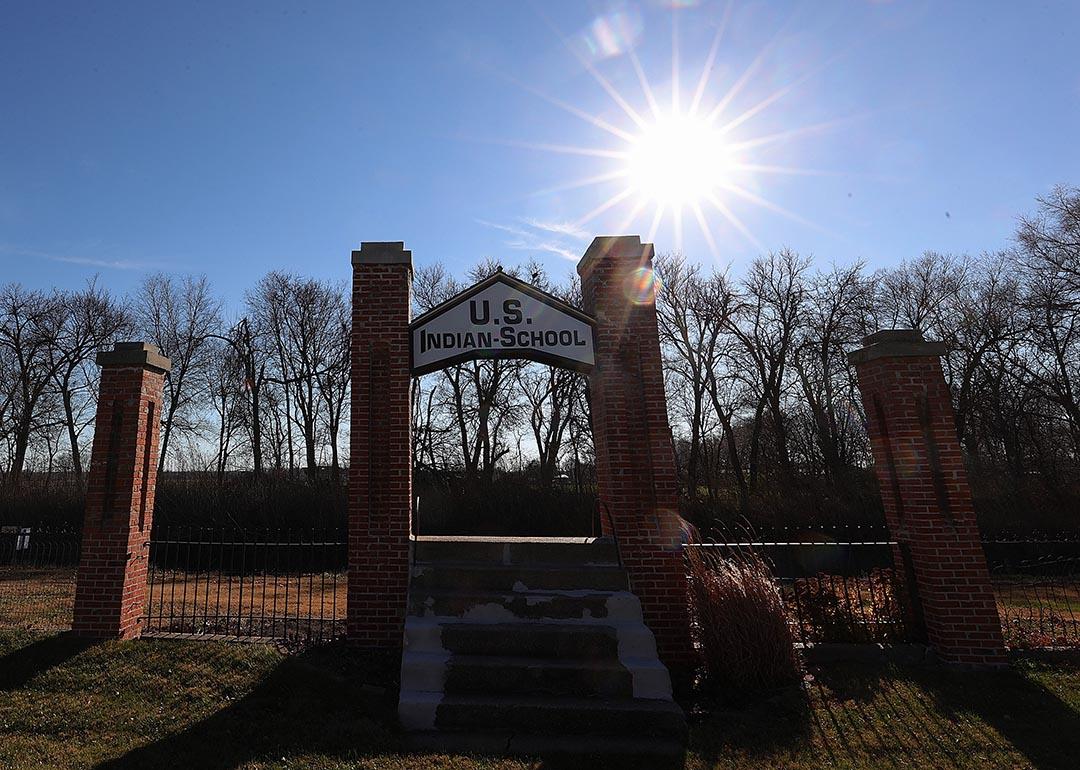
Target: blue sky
<point>235,138</point>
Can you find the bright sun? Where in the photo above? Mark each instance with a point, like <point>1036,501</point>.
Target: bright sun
<point>688,159</point>
<point>678,160</point>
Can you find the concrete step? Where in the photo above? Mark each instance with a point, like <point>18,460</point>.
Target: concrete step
<point>502,675</point>
<point>630,677</point>
<point>503,607</point>
<point>600,751</point>
<point>533,646</point>
<point>592,641</point>
<point>524,550</point>
<point>498,577</point>
<point>542,715</point>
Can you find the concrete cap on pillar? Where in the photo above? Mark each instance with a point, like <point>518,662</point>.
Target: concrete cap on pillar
<point>625,246</point>
<point>382,253</point>
<point>895,343</point>
<point>135,354</point>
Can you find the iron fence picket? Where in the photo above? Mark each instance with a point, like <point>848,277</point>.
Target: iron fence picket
<point>1038,597</point>
<point>245,583</point>
<point>262,583</point>
<point>37,577</point>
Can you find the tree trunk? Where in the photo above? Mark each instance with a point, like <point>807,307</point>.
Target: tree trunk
<point>73,437</point>
<point>22,441</point>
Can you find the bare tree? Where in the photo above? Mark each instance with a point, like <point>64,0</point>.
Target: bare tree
<point>836,306</point>
<point>918,293</point>
<point>304,320</point>
<point>773,297</point>
<point>30,324</point>
<point>693,315</point>
<point>179,316</point>
<point>92,320</point>
<point>252,360</point>
<point>225,385</point>
<point>333,377</point>
<point>1049,239</point>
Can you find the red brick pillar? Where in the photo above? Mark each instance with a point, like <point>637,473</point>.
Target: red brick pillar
<point>635,460</point>
<point>110,591</point>
<point>924,488</point>
<point>380,446</point>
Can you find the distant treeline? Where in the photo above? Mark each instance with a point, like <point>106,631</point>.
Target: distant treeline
<point>767,419</point>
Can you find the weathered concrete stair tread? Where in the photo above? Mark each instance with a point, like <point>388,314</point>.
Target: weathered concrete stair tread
<point>520,675</point>
<point>526,605</point>
<point>468,575</point>
<point>538,640</point>
<point>532,646</point>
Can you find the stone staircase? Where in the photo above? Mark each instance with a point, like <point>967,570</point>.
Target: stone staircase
<point>532,646</point>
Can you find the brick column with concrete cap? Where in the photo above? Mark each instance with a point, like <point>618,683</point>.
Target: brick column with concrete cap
<point>635,460</point>
<point>380,446</point>
<point>924,488</point>
<point>110,590</point>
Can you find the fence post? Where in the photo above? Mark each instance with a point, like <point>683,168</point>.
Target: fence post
<point>924,488</point>
<point>110,590</point>
<point>380,446</point>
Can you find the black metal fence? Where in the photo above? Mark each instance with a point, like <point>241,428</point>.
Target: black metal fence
<point>837,585</point>
<point>37,578</point>
<point>837,590</point>
<point>1037,584</point>
<point>283,585</point>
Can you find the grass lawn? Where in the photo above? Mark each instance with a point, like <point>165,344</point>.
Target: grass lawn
<point>160,704</point>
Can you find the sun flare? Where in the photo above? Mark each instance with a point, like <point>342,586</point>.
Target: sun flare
<point>688,160</point>
<point>678,160</point>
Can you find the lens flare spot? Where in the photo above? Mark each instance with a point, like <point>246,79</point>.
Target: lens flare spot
<point>612,34</point>
<point>642,286</point>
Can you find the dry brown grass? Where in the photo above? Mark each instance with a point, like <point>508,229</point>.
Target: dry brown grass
<point>1039,612</point>
<point>740,622</point>
<point>277,606</point>
<point>36,597</point>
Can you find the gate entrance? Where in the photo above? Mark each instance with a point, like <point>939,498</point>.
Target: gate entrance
<point>502,318</point>
<point>508,634</point>
<point>613,338</point>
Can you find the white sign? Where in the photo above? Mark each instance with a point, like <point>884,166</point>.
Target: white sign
<point>502,317</point>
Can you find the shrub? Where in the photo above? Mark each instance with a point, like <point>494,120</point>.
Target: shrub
<point>739,622</point>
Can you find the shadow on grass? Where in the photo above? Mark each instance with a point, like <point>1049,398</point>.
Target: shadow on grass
<point>925,709</point>
<point>759,728</point>
<point>24,663</point>
<point>317,701</point>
